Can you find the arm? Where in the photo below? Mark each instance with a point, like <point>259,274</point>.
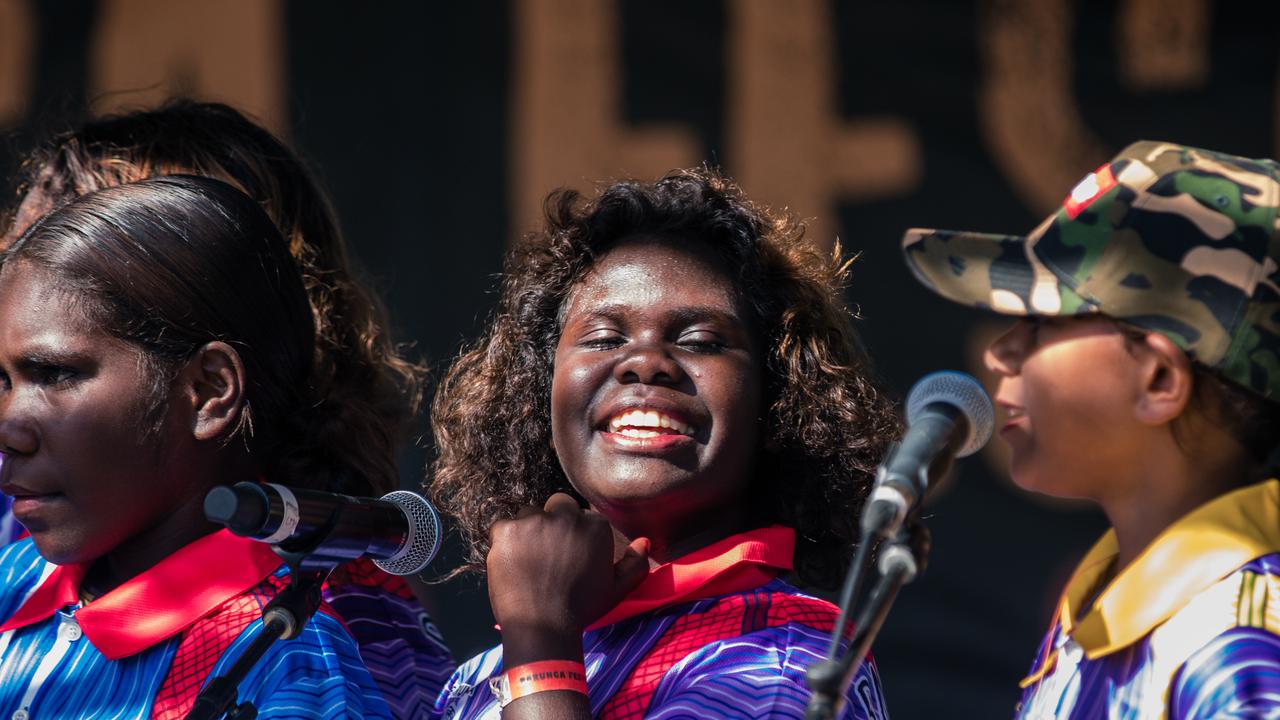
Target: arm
<point>316,675</point>
<point>551,574</point>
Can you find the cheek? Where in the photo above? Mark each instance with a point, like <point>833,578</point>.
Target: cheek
<point>734,394</point>
<point>572,390</point>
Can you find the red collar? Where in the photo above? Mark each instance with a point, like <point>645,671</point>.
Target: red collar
<point>738,562</point>
<point>159,603</point>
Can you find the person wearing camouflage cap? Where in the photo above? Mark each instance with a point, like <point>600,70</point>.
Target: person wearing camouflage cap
<point>1142,374</point>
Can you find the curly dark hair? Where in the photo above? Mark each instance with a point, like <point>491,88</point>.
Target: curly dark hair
<point>828,421</point>
<point>367,391</point>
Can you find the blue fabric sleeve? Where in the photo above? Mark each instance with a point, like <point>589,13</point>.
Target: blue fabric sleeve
<point>316,675</point>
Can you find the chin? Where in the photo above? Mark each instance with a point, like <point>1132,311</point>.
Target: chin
<point>62,550</point>
<point>1042,482</point>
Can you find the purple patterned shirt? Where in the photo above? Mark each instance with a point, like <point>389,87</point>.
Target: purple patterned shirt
<point>1189,629</point>
<point>737,655</point>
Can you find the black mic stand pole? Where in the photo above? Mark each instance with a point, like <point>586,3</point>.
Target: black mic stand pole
<point>901,560</point>
<point>282,619</point>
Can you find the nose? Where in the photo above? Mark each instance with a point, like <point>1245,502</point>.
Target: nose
<point>18,435</point>
<point>1004,355</point>
<point>649,363</point>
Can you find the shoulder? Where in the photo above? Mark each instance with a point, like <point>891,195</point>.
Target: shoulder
<point>19,558</point>
<point>1237,674</point>
<point>1237,671</point>
<point>317,674</point>
<point>21,569</point>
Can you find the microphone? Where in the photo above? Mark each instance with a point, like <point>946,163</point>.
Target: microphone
<point>948,416</point>
<point>400,531</point>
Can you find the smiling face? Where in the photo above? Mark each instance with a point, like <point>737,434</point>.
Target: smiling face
<point>1067,387</point>
<point>656,395</point>
<point>83,474</point>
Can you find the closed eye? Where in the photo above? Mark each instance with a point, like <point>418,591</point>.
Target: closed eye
<point>703,341</point>
<point>53,375</point>
<point>601,339</point>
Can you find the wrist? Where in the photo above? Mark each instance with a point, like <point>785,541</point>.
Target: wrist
<point>522,643</point>
<point>539,677</point>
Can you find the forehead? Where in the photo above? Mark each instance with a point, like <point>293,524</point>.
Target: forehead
<point>37,309</point>
<point>655,272</point>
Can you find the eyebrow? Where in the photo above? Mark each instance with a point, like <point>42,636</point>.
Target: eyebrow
<point>686,313</point>
<point>38,356</point>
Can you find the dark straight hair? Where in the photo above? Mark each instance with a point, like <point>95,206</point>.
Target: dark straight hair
<point>369,389</point>
<point>173,263</point>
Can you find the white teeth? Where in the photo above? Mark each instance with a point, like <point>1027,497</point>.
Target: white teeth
<point>638,433</point>
<point>633,423</point>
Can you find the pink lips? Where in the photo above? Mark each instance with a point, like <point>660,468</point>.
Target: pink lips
<point>1016,416</point>
<point>26,502</point>
<point>657,442</point>
<point>27,507</point>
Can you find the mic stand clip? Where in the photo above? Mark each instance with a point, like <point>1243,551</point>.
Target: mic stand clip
<point>282,619</point>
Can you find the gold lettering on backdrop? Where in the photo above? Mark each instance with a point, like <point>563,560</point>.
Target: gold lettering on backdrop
<point>17,46</point>
<point>566,120</point>
<point>145,51</point>
<point>1028,113</point>
<point>788,144</point>
<point>1164,44</point>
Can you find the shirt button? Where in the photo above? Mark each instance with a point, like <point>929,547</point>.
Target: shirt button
<point>1073,652</point>
<point>70,630</point>
<point>21,715</point>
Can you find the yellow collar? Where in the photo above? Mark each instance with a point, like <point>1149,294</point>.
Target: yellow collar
<point>1189,556</point>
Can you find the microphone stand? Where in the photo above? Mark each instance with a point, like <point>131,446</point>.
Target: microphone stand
<point>901,560</point>
<point>282,619</point>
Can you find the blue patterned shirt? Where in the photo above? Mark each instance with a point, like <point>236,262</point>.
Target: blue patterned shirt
<point>145,648</point>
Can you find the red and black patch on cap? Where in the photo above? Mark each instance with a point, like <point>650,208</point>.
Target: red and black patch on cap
<point>1088,190</point>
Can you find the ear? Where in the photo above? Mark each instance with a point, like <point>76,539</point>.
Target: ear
<point>1167,380</point>
<point>214,381</point>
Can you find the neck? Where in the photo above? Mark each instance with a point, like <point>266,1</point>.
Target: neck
<point>1168,484</point>
<point>183,526</point>
<point>180,527</point>
<point>673,541</point>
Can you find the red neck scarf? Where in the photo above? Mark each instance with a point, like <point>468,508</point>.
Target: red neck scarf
<point>738,562</point>
<point>161,601</point>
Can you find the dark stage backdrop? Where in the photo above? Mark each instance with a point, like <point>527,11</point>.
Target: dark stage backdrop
<point>439,126</point>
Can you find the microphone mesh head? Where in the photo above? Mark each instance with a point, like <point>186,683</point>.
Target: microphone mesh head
<point>962,392</point>
<point>423,542</point>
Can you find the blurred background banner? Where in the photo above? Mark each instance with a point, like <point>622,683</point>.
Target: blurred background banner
<point>439,127</point>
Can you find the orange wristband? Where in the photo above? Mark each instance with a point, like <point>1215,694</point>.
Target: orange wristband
<point>536,677</point>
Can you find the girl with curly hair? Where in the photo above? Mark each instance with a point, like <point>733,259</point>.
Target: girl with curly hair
<point>364,390</point>
<point>679,361</point>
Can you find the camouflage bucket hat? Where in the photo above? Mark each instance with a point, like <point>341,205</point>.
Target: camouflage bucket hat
<point>1169,238</point>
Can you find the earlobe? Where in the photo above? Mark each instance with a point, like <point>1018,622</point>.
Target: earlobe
<point>215,379</point>
<point>1167,380</point>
